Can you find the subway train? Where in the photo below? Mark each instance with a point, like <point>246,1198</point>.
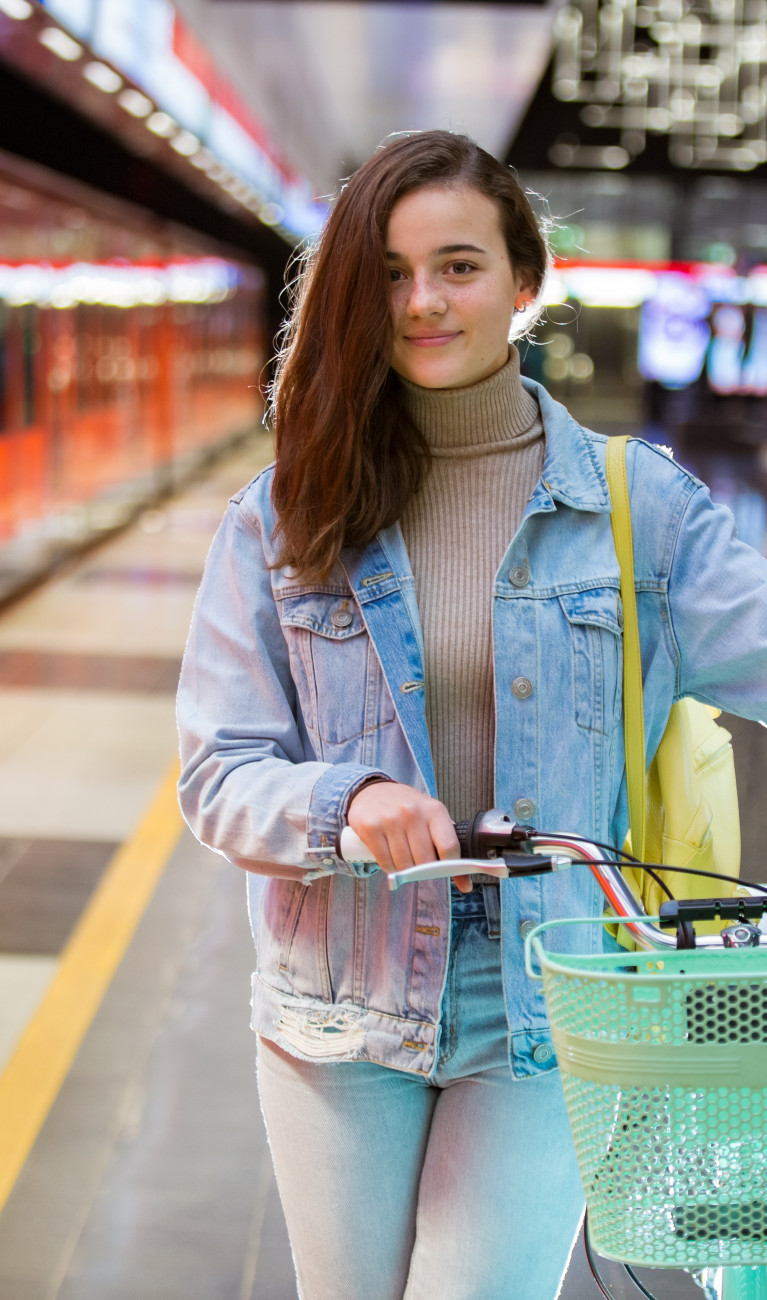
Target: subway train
<point>128,348</point>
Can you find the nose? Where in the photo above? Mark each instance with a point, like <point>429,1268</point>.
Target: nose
<point>426,296</point>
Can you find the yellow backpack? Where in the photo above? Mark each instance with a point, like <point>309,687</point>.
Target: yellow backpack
<point>684,811</point>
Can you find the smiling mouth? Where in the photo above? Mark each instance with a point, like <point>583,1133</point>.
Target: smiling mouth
<point>431,340</point>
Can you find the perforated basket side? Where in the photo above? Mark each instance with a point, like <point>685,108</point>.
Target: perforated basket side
<point>666,1085</point>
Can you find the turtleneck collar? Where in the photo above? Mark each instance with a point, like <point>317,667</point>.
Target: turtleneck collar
<point>480,418</point>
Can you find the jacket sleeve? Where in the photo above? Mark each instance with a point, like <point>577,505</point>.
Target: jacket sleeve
<point>718,603</point>
<point>246,788</point>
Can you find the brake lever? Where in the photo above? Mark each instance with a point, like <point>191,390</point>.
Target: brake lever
<point>444,868</point>
<point>510,864</point>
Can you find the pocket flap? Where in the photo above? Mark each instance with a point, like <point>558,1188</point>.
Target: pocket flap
<point>597,607</point>
<point>326,613</point>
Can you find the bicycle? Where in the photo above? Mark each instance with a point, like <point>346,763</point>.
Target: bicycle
<point>663,1060</point>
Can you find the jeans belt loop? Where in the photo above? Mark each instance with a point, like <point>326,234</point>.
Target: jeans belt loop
<point>492,897</point>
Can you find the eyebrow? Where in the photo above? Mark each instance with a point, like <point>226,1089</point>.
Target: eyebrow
<point>445,251</point>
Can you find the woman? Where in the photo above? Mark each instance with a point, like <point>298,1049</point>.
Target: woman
<point>412,616</point>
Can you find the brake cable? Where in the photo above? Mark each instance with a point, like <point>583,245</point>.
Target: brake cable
<point>652,867</point>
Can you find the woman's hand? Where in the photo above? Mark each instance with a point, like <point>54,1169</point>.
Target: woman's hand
<point>401,827</point>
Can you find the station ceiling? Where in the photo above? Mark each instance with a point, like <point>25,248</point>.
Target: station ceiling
<point>330,79</point>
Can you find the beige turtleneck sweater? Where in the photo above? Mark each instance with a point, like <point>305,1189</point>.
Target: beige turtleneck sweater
<point>487,444</point>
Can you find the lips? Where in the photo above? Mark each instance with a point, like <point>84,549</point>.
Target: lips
<point>431,340</point>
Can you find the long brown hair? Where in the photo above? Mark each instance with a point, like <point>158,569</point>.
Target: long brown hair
<point>348,456</point>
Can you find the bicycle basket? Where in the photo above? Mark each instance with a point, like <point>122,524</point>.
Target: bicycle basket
<point>664,1066</point>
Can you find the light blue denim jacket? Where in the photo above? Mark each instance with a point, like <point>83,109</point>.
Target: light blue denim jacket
<point>293,693</point>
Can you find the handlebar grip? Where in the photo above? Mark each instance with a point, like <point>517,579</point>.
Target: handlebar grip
<point>351,848</point>
<point>463,831</point>
<point>477,836</point>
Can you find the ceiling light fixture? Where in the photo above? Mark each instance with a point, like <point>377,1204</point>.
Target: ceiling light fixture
<point>272,214</point>
<point>203,159</point>
<point>16,8</point>
<point>103,77</point>
<point>161,124</point>
<point>218,173</point>
<point>135,103</point>
<point>652,68</point>
<point>185,143</point>
<point>60,44</point>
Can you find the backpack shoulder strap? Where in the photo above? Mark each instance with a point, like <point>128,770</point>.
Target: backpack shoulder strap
<point>633,712</point>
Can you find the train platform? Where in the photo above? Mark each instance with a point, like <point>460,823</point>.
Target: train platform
<point>133,1160</point>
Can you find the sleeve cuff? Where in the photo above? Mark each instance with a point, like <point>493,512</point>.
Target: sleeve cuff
<point>328,806</point>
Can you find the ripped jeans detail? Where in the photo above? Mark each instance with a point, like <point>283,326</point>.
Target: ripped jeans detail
<point>322,1034</point>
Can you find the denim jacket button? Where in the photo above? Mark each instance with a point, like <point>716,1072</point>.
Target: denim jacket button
<point>526,928</point>
<point>519,576</point>
<point>524,809</point>
<point>543,1053</point>
<point>341,617</point>
<point>522,687</point>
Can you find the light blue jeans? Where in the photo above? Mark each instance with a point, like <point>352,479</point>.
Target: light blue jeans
<point>459,1187</point>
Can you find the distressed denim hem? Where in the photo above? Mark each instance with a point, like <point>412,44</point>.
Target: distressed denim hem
<point>313,1030</point>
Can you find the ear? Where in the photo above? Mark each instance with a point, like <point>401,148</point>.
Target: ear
<point>527,292</point>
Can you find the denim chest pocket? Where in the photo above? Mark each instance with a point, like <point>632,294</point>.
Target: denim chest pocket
<point>595,623</point>
<point>340,684</point>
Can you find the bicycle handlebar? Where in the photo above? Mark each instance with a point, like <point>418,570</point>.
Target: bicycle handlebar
<point>491,842</point>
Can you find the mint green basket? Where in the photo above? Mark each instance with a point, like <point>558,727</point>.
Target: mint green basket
<point>664,1066</point>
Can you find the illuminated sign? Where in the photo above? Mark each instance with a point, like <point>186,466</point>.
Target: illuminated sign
<point>697,320</point>
<point>713,325</point>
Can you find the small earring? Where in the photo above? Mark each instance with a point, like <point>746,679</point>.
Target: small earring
<point>521,304</point>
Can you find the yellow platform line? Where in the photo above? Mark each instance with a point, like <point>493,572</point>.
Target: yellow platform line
<point>35,1072</point>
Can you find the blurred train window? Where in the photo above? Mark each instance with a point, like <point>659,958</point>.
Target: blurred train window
<point>128,349</point>
<point>31,345</point>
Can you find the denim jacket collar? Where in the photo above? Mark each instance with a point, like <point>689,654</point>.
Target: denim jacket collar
<point>572,473</point>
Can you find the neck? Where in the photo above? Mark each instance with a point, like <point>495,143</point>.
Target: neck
<point>484,415</point>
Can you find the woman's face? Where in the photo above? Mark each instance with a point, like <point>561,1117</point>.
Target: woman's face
<point>453,287</point>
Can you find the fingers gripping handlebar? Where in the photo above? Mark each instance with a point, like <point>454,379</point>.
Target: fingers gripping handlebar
<point>490,842</point>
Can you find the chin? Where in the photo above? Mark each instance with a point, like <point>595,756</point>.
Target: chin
<point>433,376</point>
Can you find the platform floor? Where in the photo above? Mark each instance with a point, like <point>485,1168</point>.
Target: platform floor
<point>133,1161</point>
